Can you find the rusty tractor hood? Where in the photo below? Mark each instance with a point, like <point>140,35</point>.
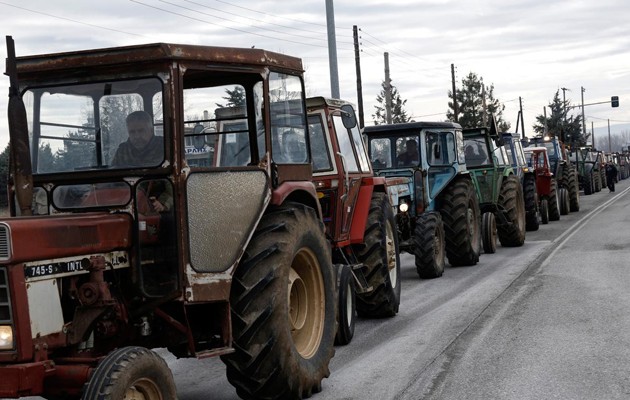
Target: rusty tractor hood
<point>47,237</point>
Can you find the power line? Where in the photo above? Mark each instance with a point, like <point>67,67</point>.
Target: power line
<point>71,20</point>
<point>274,15</point>
<point>226,27</point>
<point>253,19</point>
<point>607,119</point>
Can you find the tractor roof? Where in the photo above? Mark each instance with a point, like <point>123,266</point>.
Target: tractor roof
<point>155,52</point>
<point>408,126</point>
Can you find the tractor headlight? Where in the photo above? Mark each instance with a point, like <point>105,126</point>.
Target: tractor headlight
<point>6,337</point>
<point>403,207</point>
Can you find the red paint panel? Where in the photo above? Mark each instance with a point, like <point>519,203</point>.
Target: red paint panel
<point>22,380</point>
<point>361,210</point>
<point>40,238</point>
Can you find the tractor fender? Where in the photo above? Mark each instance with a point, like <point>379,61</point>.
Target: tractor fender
<point>299,191</point>
<point>361,211</point>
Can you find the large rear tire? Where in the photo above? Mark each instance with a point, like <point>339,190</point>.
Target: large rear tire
<point>346,305</point>
<point>531,203</point>
<point>574,189</point>
<point>379,254</point>
<point>512,234</point>
<point>554,211</point>
<point>598,182</point>
<point>588,184</point>
<point>131,373</point>
<point>489,233</point>
<point>459,207</point>
<point>283,308</point>
<point>429,245</point>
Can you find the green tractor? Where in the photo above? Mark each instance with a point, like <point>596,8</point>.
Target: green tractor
<point>498,188</point>
<point>588,163</point>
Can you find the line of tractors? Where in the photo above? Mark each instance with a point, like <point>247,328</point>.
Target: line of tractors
<point>284,221</point>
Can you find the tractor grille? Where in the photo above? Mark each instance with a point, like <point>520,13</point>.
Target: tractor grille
<point>5,301</point>
<point>5,243</point>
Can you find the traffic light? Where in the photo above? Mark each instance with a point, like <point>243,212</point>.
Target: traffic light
<point>614,101</point>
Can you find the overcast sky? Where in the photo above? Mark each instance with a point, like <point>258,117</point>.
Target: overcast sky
<point>525,48</point>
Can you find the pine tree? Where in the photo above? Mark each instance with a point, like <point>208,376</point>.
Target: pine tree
<point>470,102</point>
<point>568,129</point>
<point>399,115</point>
<point>234,98</point>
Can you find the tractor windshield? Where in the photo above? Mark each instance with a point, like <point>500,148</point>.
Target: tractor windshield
<point>476,152</point>
<point>96,126</point>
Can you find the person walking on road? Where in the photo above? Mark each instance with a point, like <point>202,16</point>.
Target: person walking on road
<point>611,174</point>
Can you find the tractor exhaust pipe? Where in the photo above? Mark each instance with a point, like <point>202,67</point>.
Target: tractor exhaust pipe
<point>20,156</point>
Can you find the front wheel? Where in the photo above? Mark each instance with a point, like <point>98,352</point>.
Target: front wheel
<point>346,305</point>
<point>429,245</point>
<point>379,254</point>
<point>489,233</point>
<point>563,197</point>
<point>574,190</point>
<point>544,211</point>
<point>283,308</point>
<point>531,203</point>
<point>554,211</point>
<point>131,373</point>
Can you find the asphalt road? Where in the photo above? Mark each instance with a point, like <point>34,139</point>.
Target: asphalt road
<point>547,320</point>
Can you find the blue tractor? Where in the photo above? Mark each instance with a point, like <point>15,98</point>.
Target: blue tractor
<point>431,191</point>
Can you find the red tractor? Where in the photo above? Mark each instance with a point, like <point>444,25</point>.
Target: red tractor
<point>206,239</point>
<point>359,219</point>
<point>545,183</point>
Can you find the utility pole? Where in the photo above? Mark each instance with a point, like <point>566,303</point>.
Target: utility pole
<point>583,118</point>
<point>520,106</point>
<point>592,135</point>
<point>545,117</point>
<point>564,105</point>
<point>357,61</point>
<point>609,143</point>
<point>455,105</point>
<point>332,50</point>
<point>484,114</point>
<point>388,92</point>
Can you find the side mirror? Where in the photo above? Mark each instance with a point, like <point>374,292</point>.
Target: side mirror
<point>348,118</point>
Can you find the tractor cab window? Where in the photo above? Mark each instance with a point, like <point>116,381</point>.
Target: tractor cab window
<point>320,156</point>
<point>96,126</point>
<point>440,148</point>
<point>346,143</point>
<point>289,143</point>
<point>355,140</point>
<point>157,237</point>
<point>217,120</point>
<point>407,151</point>
<point>518,149</point>
<point>476,152</point>
<point>380,153</point>
<point>551,149</point>
<point>501,156</point>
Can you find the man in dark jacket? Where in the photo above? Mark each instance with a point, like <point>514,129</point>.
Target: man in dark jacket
<point>611,175</point>
<point>143,148</point>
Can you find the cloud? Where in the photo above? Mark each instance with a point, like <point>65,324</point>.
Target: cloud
<point>526,48</point>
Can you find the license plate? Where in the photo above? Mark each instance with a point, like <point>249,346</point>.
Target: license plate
<point>36,271</point>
